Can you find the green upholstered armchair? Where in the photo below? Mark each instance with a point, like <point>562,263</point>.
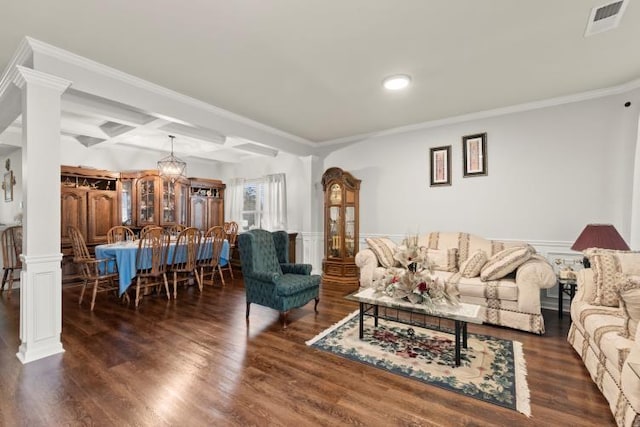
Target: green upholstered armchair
<point>270,282</point>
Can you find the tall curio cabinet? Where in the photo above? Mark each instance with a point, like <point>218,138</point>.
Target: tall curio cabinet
<point>341,218</point>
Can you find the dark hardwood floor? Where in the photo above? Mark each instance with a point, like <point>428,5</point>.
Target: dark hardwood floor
<point>196,362</point>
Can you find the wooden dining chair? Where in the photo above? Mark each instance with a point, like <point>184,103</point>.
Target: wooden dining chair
<point>231,232</point>
<point>151,261</point>
<point>175,229</point>
<point>103,273</point>
<point>120,233</point>
<point>11,250</point>
<point>210,249</point>
<point>147,228</point>
<point>185,257</point>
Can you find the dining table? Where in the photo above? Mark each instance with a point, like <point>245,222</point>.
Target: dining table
<point>125,254</point>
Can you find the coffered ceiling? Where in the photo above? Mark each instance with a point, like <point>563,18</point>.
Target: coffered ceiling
<point>313,69</point>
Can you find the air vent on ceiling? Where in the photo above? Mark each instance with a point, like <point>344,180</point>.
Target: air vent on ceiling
<point>605,17</point>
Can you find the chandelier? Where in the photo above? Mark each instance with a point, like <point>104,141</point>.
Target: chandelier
<point>172,167</point>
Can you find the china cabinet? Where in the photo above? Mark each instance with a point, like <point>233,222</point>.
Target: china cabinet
<point>88,201</point>
<point>206,203</point>
<point>341,217</point>
<point>148,199</point>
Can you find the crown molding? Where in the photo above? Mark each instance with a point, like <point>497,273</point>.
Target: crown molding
<point>518,108</point>
<point>27,75</point>
<point>40,47</point>
<point>22,56</point>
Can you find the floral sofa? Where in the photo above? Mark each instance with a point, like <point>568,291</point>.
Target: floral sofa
<point>604,332</point>
<point>504,278</point>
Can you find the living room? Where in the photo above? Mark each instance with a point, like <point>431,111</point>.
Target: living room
<point>554,164</point>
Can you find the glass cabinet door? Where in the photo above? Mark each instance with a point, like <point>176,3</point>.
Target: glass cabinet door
<point>334,235</point>
<point>182,201</point>
<point>168,202</point>
<point>147,200</point>
<point>127,202</point>
<point>349,231</point>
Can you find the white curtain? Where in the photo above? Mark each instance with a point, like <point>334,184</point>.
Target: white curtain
<point>274,212</point>
<point>234,200</point>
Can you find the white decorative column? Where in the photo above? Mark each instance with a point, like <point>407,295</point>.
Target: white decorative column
<point>634,241</point>
<point>41,276</point>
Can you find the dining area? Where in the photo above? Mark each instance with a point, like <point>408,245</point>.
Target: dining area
<point>153,261</point>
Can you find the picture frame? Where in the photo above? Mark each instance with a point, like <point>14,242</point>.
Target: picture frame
<point>7,185</point>
<point>440,160</point>
<point>474,155</point>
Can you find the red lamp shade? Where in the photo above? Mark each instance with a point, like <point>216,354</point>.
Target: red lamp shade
<point>603,236</point>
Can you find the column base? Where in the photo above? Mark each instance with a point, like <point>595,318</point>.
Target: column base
<point>40,307</point>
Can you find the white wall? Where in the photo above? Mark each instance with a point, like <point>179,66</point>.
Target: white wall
<point>550,172</point>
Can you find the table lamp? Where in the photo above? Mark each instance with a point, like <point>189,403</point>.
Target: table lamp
<point>603,236</point>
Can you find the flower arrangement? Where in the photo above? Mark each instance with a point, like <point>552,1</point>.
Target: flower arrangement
<point>414,280</point>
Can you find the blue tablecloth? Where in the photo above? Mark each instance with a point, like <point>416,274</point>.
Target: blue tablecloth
<point>125,255</point>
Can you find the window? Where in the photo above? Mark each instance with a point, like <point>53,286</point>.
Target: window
<point>252,205</point>
<point>264,203</point>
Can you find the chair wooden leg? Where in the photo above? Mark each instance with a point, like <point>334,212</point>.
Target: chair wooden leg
<point>166,286</point>
<point>137,292</point>
<point>10,284</point>
<point>231,270</point>
<point>175,285</point>
<point>84,287</point>
<point>4,277</point>
<point>93,297</point>
<point>221,276</point>
<point>285,314</point>
<point>315,306</point>
<point>248,305</point>
<point>198,281</point>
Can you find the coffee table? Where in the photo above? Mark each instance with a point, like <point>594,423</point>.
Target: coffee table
<point>461,314</point>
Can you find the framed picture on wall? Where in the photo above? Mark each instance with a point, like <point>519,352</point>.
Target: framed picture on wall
<point>7,186</point>
<point>474,155</point>
<point>440,166</point>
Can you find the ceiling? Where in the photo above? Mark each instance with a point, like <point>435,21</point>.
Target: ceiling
<point>313,69</point>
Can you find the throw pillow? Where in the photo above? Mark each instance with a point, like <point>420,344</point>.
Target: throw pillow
<point>504,262</point>
<point>443,259</point>
<point>629,292</point>
<point>606,266</point>
<point>472,266</point>
<point>384,248</point>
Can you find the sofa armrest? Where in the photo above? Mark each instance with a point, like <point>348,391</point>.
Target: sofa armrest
<point>367,262</point>
<point>533,275</point>
<point>537,272</point>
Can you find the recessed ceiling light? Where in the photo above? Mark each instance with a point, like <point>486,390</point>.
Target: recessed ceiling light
<point>397,82</point>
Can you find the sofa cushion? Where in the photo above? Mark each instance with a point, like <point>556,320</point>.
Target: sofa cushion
<point>472,266</point>
<point>504,262</point>
<point>606,265</point>
<point>629,292</point>
<point>443,259</point>
<point>384,249</point>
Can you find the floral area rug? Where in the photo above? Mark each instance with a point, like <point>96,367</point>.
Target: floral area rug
<point>492,370</point>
